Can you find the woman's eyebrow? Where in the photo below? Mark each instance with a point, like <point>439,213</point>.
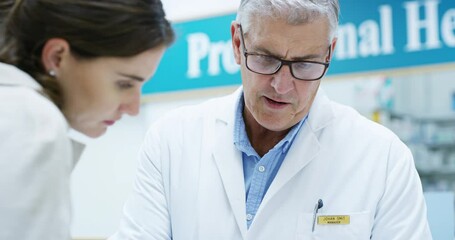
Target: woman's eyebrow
<point>134,77</point>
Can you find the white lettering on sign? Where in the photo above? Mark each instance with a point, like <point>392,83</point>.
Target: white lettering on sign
<point>370,39</point>
<point>416,23</point>
<point>347,42</point>
<point>425,28</point>
<point>201,48</point>
<point>385,12</point>
<point>198,48</point>
<point>448,28</point>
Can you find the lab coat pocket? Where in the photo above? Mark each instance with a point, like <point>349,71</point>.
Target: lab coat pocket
<point>329,227</point>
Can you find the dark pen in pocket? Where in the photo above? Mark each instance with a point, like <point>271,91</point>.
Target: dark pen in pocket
<point>318,206</point>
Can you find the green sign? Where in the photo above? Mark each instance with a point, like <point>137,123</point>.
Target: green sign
<point>373,36</point>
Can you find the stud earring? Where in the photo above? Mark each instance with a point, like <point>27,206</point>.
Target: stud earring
<point>52,73</point>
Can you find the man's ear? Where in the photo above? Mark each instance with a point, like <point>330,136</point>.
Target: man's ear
<point>54,50</point>
<point>235,36</point>
<point>333,45</point>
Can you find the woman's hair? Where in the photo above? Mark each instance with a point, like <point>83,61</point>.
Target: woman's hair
<point>93,28</point>
<point>5,7</point>
<point>293,11</point>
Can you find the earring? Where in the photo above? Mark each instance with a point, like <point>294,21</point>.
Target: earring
<point>52,73</point>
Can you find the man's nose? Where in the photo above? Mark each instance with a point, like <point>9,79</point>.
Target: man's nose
<point>283,81</point>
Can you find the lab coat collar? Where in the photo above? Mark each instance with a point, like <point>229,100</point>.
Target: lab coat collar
<point>305,149</point>
<point>78,142</point>
<point>229,160</point>
<point>320,114</point>
<point>226,113</point>
<point>13,76</point>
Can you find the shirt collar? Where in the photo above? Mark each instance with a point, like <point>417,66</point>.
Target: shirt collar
<point>241,140</point>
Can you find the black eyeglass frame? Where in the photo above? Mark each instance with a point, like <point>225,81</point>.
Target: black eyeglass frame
<point>282,61</point>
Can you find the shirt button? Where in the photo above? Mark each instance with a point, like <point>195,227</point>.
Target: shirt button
<point>249,217</point>
<point>261,168</point>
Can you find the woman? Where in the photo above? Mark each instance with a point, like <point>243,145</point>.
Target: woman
<point>65,64</point>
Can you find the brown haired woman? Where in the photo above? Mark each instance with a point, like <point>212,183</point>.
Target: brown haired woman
<point>65,64</point>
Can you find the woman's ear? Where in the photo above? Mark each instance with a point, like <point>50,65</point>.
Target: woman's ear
<point>54,50</point>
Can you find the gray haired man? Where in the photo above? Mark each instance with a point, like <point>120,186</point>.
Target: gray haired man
<point>276,159</point>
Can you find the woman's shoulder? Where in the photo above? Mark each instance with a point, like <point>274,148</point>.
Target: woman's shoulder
<point>35,162</point>
<point>34,132</point>
<point>25,109</point>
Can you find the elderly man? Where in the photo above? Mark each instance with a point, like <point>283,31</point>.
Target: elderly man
<point>276,159</point>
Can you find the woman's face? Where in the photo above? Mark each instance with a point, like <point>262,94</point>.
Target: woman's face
<point>97,92</point>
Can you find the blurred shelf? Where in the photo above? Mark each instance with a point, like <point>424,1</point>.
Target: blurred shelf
<point>432,145</point>
<point>436,173</point>
<point>440,146</point>
<point>447,118</point>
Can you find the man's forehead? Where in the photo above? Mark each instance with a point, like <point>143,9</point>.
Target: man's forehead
<point>287,41</point>
<point>279,30</point>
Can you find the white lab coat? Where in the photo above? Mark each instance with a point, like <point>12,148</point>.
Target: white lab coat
<point>190,181</point>
<point>36,160</point>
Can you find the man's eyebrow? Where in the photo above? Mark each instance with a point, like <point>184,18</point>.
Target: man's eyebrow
<point>300,58</point>
<point>134,77</point>
<point>306,57</point>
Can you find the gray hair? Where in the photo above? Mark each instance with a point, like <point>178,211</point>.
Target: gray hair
<point>293,11</point>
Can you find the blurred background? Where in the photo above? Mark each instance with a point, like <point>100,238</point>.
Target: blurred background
<point>394,63</point>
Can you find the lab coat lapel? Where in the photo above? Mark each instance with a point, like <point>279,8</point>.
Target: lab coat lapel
<point>229,163</point>
<point>78,141</point>
<point>305,147</point>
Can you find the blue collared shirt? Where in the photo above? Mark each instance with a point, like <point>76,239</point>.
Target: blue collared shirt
<point>259,172</point>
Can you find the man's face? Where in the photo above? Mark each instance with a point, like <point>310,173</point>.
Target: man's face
<point>277,102</point>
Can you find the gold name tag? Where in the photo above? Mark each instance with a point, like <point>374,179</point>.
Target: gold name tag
<point>336,219</point>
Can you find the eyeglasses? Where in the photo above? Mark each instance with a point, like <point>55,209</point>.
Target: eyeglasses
<point>269,65</point>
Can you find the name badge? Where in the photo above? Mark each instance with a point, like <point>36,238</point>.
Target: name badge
<point>334,219</point>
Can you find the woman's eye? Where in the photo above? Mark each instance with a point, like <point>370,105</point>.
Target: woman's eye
<point>124,84</point>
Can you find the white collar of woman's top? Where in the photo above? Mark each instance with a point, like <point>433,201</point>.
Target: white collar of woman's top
<point>12,76</point>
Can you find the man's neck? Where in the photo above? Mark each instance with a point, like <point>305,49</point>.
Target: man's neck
<point>262,139</point>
